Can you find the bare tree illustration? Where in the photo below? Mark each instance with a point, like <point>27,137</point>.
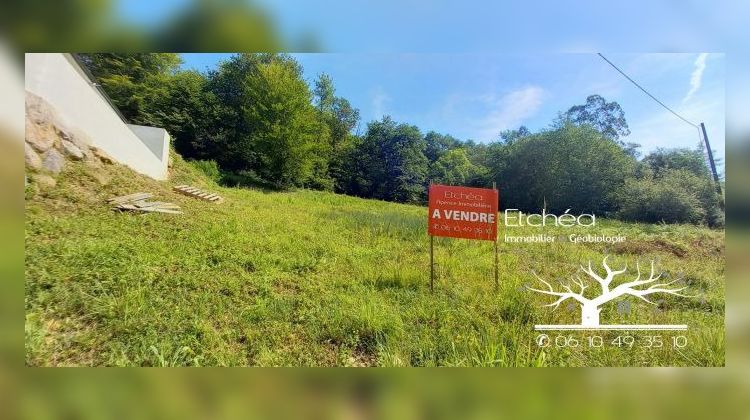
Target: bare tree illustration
<point>590,308</point>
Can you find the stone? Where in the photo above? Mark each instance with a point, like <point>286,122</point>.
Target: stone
<point>45,181</point>
<point>78,138</point>
<point>39,137</point>
<point>102,155</point>
<point>63,133</point>
<point>71,150</point>
<point>38,110</point>
<point>53,161</point>
<point>33,161</point>
<point>92,160</point>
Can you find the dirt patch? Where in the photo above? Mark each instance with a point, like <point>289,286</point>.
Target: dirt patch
<point>651,246</point>
<point>360,358</point>
<point>709,246</point>
<point>703,245</point>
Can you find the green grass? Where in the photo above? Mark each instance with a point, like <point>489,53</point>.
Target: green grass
<point>317,279</point>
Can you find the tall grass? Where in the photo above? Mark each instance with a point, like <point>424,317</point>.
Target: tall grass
<point>316,279</point>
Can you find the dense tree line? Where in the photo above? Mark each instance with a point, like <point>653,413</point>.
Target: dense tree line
<point>262,124</point>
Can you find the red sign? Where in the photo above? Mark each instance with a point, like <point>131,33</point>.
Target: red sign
<point>462,212</point>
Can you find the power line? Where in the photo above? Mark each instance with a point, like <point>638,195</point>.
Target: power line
<point>701,129</point>
<point>647,92</point>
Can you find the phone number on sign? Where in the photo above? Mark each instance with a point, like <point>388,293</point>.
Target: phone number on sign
<point>622,341</point>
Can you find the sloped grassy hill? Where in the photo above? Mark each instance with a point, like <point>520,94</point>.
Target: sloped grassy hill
<point>314,278</point>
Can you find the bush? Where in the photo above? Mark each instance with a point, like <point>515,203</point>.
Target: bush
<point>209,168</point>
<point>570,167</point>
<point>246,179</point>
<point>678,196</point>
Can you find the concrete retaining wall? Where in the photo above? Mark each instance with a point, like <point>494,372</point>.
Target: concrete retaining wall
<point>58,79</point>
<point>155,138</point>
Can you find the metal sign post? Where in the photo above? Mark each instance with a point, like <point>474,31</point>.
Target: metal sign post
<point>432,266</point>
<point>432,261</point>
<point>497,281</point>
<point>462,212</point>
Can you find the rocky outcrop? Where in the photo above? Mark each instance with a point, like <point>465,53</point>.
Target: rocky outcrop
<point>102,155</point>
<point>39,136</point>
<point>50,143</point>
<point>33,161</point>
<point>53,162</point>
<point>71,150</point>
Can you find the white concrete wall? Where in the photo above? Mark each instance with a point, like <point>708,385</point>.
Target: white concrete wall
<point>59,80</point>
<point>155,138</point>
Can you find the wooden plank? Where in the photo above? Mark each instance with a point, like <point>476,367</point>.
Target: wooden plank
<point>197,193</point>
<point>161,204</point>
<point>130,197</point>
<point>162,210</point>
<point>188,189</point>
<point>140,203</point>
<point>147,209</point>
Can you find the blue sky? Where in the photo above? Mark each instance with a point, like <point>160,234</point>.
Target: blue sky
<point>475,96</point>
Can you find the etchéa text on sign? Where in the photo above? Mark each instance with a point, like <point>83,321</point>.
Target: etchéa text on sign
<point>463,212</point>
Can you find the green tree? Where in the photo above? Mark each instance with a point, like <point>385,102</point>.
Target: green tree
<point>607,117</point>
<point>289,144</point>
<point>133,80</point>
<point>510,136</point>
<point>149,89</point>
<point>693,161</point>
<point>389,163</point>
<point>677,196</point>
<point>189,112</point>
<point>341,118</point>
<point>453,168</point>
<point>269,125</point>
<point>438,144</point>
<point>324,93</point>
<point>569,167</point>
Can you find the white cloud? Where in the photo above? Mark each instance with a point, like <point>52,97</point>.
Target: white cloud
<point>696,78</point>
<point>508,111</point>
<point>379,101</point>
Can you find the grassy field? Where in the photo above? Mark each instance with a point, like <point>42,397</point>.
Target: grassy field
<point>313,278</point>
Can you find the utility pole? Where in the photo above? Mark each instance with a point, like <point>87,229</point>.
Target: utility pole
<point>713,165</point>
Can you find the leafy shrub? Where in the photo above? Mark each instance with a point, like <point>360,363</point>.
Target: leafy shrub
<point>567,167</point>
<point>246,178</point>
<point>677,196</point>
<point>692,160</point>
<point>209,168</point>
